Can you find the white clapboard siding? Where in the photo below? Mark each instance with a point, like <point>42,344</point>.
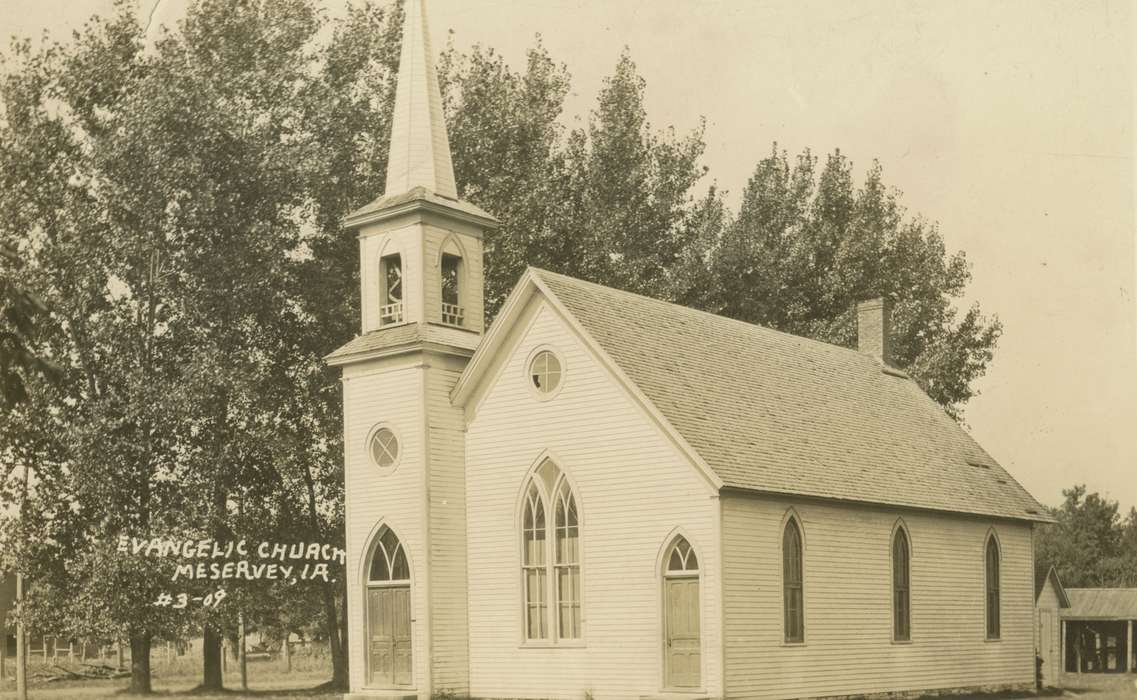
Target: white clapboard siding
<point>1048,632</point>
<point>392,394</point>
<point>634,491</point>
<point>448,528</point>
<point>848,647</point>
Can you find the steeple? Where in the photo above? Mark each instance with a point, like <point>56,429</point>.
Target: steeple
<point>420,247</point>
<point>419,153</point>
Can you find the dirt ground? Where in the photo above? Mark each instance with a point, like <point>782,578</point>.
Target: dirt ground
<point>269,682</point>
<point>1101,687</point>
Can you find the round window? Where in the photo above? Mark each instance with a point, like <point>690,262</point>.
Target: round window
<point>384,447</point>
<point>545,372</point>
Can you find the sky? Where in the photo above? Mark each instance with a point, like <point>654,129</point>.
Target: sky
<point>1009,123</point>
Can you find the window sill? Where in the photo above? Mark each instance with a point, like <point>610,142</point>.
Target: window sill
<point>902,642</point>
<point>393,324</point>
<point>571,644</point>
<point>693,692</point>
<point>993,639</point>
<point>793,644</point>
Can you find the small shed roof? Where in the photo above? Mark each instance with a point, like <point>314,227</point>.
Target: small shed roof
<point>1101,603</point>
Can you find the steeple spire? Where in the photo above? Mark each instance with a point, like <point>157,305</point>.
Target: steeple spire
<point>419,153</point>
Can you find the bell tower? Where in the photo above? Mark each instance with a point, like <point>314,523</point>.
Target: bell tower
<point>420,246</point>
<point>422,316</point>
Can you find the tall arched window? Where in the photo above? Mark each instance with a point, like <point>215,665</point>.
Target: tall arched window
<point>390,289</point>
<point>533,565</point>
<point>561,566</point>
<point>992,575</point>
<point>450,280</point>
<point>792,582</point>
<point>567,563</point>
<point>901,611</point>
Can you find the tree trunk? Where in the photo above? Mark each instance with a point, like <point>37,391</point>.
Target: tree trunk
<point>287,652</point>
<point>211,659</point>
<point>331,619</point>
<point>139,664</point>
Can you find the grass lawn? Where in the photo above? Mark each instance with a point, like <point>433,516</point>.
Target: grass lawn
<point>267,680</point>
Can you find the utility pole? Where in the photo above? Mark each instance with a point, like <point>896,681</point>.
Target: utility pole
<point>241,651</point>
<point>241,616</point>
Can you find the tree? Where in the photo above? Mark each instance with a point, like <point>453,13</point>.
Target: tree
<point>100,442</point>
<point>159,195</point>
<point>1125,565</point>
<point>807,245</point>
<point>612,202</point>
<point>19,312</point>
<point>1089,545</point>
<point>506,144</point>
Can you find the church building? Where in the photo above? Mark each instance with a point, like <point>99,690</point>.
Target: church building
<point>610,496</point>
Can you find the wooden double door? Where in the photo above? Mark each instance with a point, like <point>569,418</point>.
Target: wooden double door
<point>389,636</point>
<point>682,656</point>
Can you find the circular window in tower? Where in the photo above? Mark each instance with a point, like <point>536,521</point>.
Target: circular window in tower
<point>545,373</point>
<point>384,448</point>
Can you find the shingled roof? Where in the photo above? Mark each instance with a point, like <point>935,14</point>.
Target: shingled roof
<point>773,412</point>
<point>402,336</point>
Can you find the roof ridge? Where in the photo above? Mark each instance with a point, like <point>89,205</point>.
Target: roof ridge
<point>721,317</point>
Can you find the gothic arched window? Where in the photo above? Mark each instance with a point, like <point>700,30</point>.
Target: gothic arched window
<point>390,289</point>
<point>534,564</point>
<point>389,560</point>
<point>901,610</point>
<point>549,489</point>
<point>451,280</point>
<point>793,598</point>
<point>992,575</point>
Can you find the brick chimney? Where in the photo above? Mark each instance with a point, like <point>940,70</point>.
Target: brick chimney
<point>874,327</point>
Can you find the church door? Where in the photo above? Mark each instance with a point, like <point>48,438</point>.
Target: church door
<point>682,655</point>
<point>1047,638</point>
<point>389,615</point>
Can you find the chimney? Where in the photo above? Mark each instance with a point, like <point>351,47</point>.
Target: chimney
<point>874,328</point>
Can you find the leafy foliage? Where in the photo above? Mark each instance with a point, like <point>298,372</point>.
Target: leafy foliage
<point>19,312</point>
<point>160,198</point>
<point>807,245</point>
<point>1090,545</point>
<point>617,202</point>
